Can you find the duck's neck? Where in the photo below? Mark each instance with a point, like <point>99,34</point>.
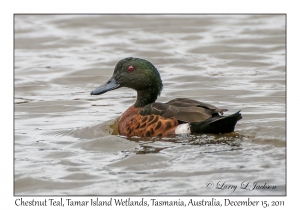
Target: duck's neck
<point>149,93</point>
<point>145,97</point>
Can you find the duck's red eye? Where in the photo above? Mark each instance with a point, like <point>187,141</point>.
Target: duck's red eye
<point>130,68</point>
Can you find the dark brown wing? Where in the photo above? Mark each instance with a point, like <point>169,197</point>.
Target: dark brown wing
<point>160,109</point>
<point>186,110</point>
<point>186,102</point>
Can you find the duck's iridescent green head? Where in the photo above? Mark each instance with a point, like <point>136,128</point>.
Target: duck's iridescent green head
<point>138,74</point>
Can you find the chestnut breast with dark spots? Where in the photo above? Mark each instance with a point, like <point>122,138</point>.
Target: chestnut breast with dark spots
<point>127,117</point>
<point>133,124</point>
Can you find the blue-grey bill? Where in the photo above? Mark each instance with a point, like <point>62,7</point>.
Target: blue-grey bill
<point>108,86</point>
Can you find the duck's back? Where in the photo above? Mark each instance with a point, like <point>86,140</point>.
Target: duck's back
<point>163,119</point>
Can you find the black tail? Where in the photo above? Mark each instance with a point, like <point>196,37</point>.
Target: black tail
<point>216,124</point>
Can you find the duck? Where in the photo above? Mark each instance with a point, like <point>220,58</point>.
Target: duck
<point>148,118</point>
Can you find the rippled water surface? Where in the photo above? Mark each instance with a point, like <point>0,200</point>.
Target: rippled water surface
<point>65,140</point>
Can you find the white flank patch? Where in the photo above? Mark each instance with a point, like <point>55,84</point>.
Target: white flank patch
<point>183,128</point>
